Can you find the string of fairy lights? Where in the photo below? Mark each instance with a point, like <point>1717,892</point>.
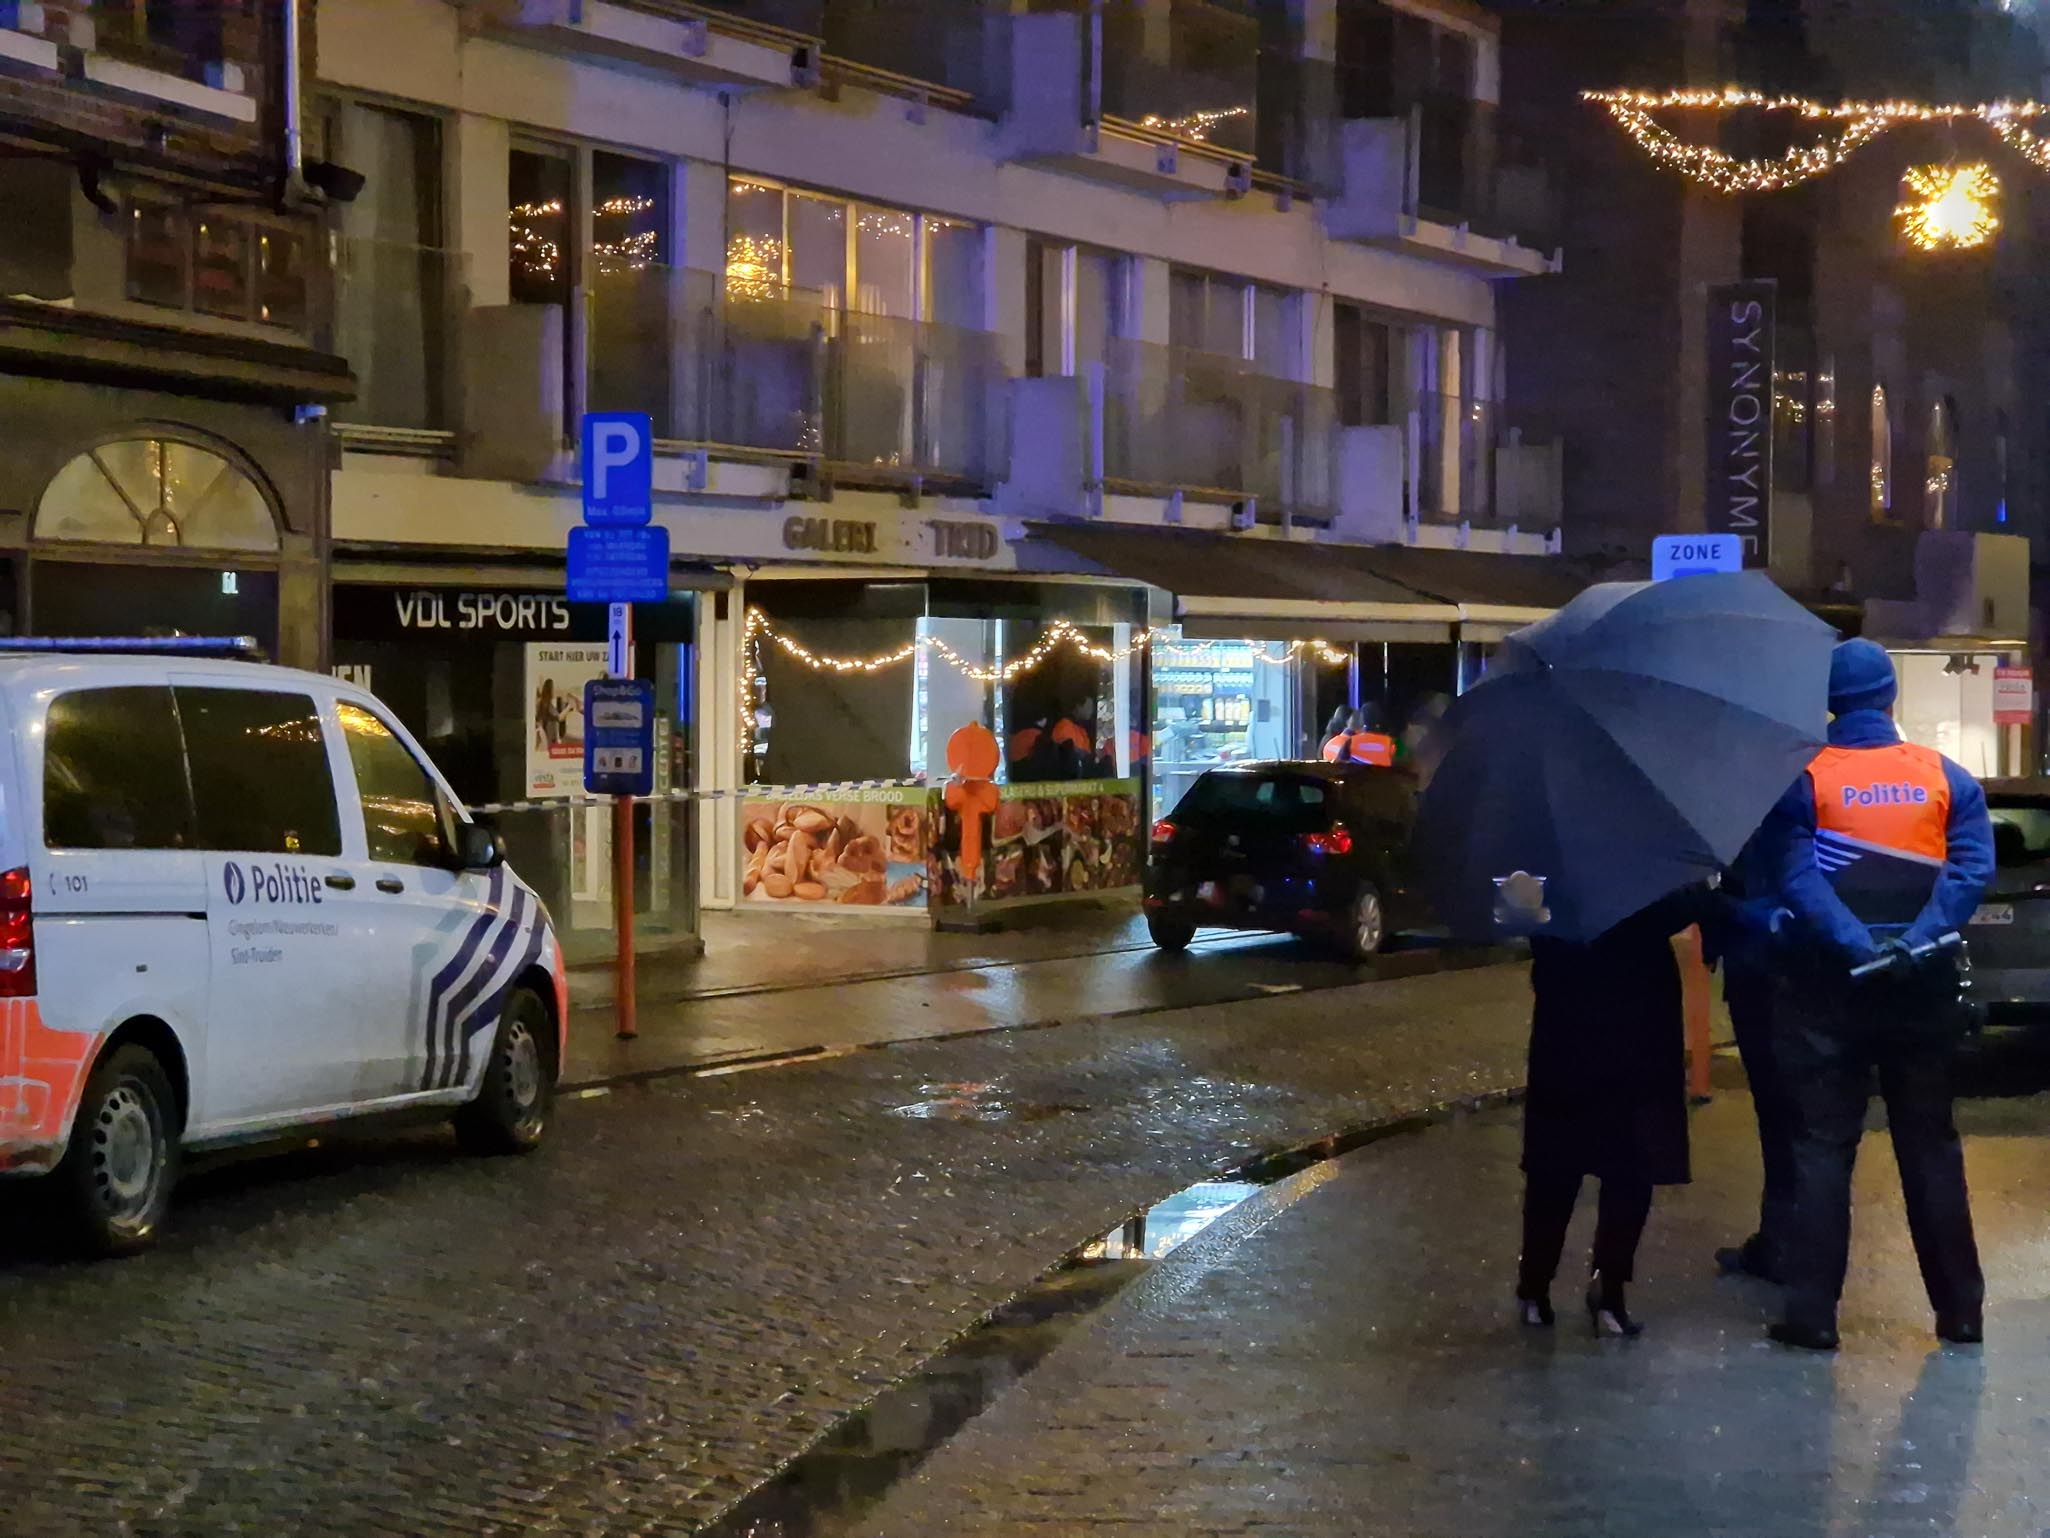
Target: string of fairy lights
<point>1946,207</point>
<point>1059,634</point>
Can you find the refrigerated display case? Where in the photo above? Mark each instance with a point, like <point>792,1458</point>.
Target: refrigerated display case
<point>1218,702</point>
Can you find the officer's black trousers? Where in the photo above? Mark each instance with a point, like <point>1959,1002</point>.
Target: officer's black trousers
<point>1830,1044</point>
<point>1750,995</point>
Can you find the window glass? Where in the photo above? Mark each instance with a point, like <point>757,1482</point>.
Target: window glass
<point>220,266</point>
<point>1257,803</point>
<point>1273,347</point>
<point>818,248</point>
<point>629,213</point>
<point>159,248</point>
<point>953,265</point>
<point>1099,304</point>
<point>538,198</point>
<point>2021,832</point>
<point>754,240</point>
<point>401,811</point>
<point>113,772</point>
<point>885,246</point>
<point>260,777</point>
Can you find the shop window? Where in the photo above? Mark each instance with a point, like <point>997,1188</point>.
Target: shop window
<point>157,492</point>
<point>401,805</point>
<point>114,772</point>
<point>1882,456</point>
<point>260,776</point>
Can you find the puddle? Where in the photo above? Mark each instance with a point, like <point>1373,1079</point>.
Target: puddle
<point>978,1102</point>
<point>830,1490</point>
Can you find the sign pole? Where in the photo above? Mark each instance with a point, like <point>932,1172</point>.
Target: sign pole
<point>619,658</point>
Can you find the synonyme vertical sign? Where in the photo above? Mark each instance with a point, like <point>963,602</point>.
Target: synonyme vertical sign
<point>1739,500</point>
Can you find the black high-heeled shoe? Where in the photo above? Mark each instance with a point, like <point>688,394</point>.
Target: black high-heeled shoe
<point>1605,1310</point>
<point>1534,1308</point>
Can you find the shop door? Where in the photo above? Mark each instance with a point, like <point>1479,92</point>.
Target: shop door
<point>122,598</point>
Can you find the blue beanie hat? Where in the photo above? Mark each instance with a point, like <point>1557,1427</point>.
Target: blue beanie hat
<point>1860,677</point>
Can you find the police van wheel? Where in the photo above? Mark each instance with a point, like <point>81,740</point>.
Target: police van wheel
<point>114,1182</point>
<point>1171,935</point>
<point>511,1110</point>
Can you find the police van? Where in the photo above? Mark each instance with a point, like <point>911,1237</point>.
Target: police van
<point>236,900</point>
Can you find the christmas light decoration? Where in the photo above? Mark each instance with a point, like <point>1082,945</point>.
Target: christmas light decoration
<point>1950,207</point>
<point>1194,126</point>
<point>1058,634</point>
<point>1853,124</point>
<point>754,267</point>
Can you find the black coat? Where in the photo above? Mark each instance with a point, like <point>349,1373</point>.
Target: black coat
<point>1608,1051</point>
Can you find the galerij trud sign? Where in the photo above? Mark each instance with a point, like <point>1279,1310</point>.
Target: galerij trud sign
<point>1739,499</point>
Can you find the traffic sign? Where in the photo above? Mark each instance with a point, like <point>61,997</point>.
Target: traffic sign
<point>619,468</point>
<point>619,631</point>
<point>1688,555</point>
<point>619,565</point>
<point>619,737</point>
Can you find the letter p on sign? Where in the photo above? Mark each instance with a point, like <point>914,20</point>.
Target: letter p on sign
<point>619,468</point>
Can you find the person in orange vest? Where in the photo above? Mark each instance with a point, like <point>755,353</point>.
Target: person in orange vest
<point>1370,745</point>
<point>1338,735</point>
<point>1878,852</point>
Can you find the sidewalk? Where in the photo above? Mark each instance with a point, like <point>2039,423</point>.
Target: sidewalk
<point>760,952</point>
<point>1338,1356</point>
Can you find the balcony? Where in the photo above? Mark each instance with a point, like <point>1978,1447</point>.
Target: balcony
<point>723,47</point>
<point>1181,423</point>
<point>395,314</point>
<point>776,374</point>
<point>1446,177</point>
<point>1465,470</point>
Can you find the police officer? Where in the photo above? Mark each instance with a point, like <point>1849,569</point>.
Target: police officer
<point>1878,851</point>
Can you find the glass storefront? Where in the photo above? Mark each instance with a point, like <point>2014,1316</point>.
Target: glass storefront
<point>491,682</point>
<point>1946,702</point>
<point>1222,702</point>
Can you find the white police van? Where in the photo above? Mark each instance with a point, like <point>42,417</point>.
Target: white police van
<point>235,900</point>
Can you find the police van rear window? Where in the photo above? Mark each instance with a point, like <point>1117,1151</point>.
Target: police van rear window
<point>113,775</point>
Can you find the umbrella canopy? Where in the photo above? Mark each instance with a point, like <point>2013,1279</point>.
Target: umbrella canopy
<point>1621,749</point>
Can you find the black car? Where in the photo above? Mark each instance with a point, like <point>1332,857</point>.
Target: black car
<point>1308,848</point>
<point>2009,936</point>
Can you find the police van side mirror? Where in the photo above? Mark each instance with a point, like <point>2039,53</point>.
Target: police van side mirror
<point>478,847</point>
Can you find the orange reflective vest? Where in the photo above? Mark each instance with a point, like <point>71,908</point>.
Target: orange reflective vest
<point>1337,747</point>
<point>1882,819</point>
<point>1373,748</point>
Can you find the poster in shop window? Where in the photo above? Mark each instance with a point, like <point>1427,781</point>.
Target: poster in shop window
<point>556,675</point>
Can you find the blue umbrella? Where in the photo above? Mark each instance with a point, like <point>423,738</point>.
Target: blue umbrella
<point>1620,750</point>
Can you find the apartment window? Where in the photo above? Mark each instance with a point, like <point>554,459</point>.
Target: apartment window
<point>848,255</point>
<point>1234,318</point>
<point>540,206</point>
<point>1939,481</point>
<point>1882,455</point>
<point>161,30</point>
<point>1075,303</point>
<point>1366,353</point>
<point>629,213</point>
<point>1825,421</point>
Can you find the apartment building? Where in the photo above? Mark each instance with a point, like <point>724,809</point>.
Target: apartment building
<point>161,302</point>
<point>1124,375</point>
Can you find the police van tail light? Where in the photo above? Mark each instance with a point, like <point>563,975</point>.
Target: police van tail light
<point>17,935</point>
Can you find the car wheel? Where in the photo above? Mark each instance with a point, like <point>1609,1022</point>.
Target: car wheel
<point>511,1110</point>
<point>114,1181</point>
<point>1366,926</point>
<point>1170,934</point>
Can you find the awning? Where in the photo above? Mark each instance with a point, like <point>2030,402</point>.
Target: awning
<point>1228,586</point>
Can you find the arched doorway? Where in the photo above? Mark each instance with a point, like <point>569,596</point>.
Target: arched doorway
<point>154,535</point>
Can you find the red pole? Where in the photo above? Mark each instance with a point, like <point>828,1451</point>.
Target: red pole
<point>625,1003</point>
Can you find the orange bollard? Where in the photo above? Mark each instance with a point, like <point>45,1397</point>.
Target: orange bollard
<point>1694,1007</point>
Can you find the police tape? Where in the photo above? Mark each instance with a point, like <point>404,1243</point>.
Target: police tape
<point>827,789</point>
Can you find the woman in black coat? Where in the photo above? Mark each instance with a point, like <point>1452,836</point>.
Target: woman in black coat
<point>1607,1097</point>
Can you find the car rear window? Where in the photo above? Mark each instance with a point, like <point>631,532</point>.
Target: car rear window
<point>113,772</point>
<point>1283,801</point>
<point>2021,832</point>
<point>260,775</point>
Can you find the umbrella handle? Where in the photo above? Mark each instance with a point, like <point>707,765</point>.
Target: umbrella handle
<point>1911,955</point>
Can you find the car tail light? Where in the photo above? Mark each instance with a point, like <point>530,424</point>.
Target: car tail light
<point>1163,831</point>
<point>1337,841</point>
<point>17,935</point>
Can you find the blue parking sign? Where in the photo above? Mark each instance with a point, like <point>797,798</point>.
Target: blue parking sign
<point>619,468</point>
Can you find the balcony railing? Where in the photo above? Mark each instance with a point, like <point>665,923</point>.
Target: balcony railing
<point>1176,419</point>
<point>394,317</point>
<point>1473,168</point>
<point>1188,70</point>
<point>780,372</point>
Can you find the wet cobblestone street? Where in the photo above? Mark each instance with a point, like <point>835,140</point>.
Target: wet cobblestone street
<point>698,1276</point>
